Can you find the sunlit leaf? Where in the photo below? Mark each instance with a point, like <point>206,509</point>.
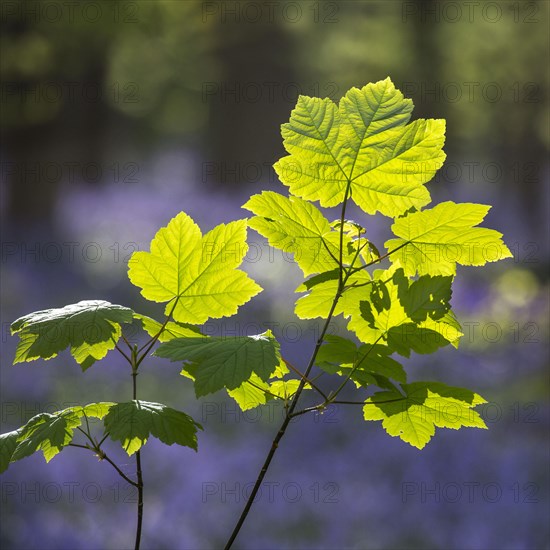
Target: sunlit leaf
<point>90,328</point>
<point>433,241</point>
<point>196,273</point>
<point>364,145</point>
<point>297,227</point>
<point>426,405</point>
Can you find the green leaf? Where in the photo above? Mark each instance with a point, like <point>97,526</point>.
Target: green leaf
<point>321,296</point>
<point>224,362</point>
<point>8,444</point>
<point>285,389</point>
<point>405,317</point>
<point>332,275</point>
<point>426,297</point>
<point>251,393</point>
<point>254,391</point>
<point>133,422</point>
<point>297,227</point>
<point>94,410</point>
<point>171,330</point>
<point>366,144</point>
<point>48,432</point>
<point>426,405</point>
<point>91,328</point>
<point>51,432</point>
<point>341,355</point>
<point>198,273</point>
<point>434,241</point>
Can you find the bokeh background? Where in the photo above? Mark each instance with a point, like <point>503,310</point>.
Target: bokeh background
<point>117,115</point>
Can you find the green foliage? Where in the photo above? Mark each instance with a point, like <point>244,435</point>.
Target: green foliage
<point>364,364</point>
<point>365,144</point>
<point>424,406</point>
<point>91,328</point>
<point>48,432</point>
<point>170,331</point>
<point>131,423</point>
<point>196,275</point>
<point>219,362</point>
<point>254,391</point>
<point>297,226</point>
<point>363,150</point>
<point>433,241</point>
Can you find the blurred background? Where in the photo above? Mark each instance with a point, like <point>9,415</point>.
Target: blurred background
<point>117,115</point>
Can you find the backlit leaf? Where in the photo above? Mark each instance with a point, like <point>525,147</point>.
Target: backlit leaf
<point>197,273</point>
<point>224,361</point>
<point>433,241</point>
<point>133,422</point>
<point>426,405</point>
<point>297,227</point>
<point>90,328</point>
<point>363,144</point>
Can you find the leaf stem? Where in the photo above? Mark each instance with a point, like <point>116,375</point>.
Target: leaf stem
<point>123,354</point>
<point>103,456</point>
<point>149,345</point>
<point>308,380</point>
<point>353,369</point>
<point>329,251</point>
<point>341,251</point>
<point>120,472</point>
<point>387,255</point>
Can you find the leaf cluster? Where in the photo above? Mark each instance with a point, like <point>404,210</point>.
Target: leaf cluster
<point>395,298</point>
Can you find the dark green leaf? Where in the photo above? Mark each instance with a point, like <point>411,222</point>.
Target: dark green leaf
<point>224,362</point>
<point>91,328</point>
<point>131,423</point>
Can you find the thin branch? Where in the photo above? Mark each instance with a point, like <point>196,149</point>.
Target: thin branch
<point>309,409</point>
<point>123,354</point>
<point>353,369</point>
<point>88,436</point>
<point>388,254</point>
<point>103,456</point>
<point>322,406</point>
<point>139,473</point>
<point>308,380</point>
<point>341,251</point>
<point>153,340</point>
<point>126,341</point>
<point>328,250</point>
<point>296,397</point>
<point>87,447</point>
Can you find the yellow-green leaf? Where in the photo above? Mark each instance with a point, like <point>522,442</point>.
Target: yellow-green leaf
<point>363,146</point>
<point>433,241</point>
<point>414,416</point>
<point>298,227</point>
<point>197,273</point>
